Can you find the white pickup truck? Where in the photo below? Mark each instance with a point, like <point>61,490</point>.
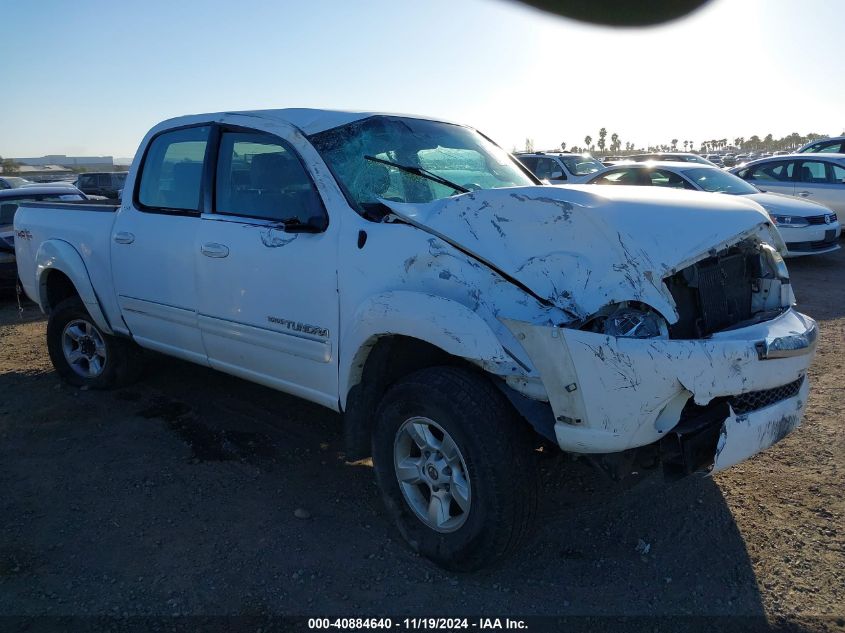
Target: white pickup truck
<point>411,274</point>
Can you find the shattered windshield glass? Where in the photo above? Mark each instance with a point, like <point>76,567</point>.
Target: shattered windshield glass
<point>452,152</point>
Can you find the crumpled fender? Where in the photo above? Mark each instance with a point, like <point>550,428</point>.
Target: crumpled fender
<point>442,322</point>
<point>59,255</point>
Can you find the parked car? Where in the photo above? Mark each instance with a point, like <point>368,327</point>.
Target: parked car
<point>673,156</point>
<point>107,183</point>
<point>834,145</point>
<point>729,160</point>
<point>716,160</point>
<point>411,274</point>
<point>806,227</point>
<point>9,201</point>
<point>13,182</point>
<point>816,177</point>
<point>562,167</point>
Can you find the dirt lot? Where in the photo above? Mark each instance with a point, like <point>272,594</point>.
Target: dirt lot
<point>177,496</point>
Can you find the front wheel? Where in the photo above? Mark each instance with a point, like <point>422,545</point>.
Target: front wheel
<point>85,356</point>
<point>455,467</point>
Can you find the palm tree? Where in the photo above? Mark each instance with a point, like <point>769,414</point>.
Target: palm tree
<point>563,146</point>
<point>614,142</point>
<point>587,140</point>
<point>602,136</point>
<point>674,144</point>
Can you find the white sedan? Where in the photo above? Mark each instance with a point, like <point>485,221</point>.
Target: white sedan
<point>806,227</point>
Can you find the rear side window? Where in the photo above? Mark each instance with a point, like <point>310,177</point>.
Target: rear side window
<point>258,176</point>
<point>813,172</point>
<point>171,176</point>
<point>771,172</point>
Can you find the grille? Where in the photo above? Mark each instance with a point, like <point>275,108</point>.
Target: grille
<point>819,219</point>
<point>753,400</point>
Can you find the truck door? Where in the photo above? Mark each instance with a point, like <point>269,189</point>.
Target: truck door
<point>154,242</point>
<point>267,268</point>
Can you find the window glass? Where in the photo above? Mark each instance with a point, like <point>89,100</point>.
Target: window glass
<point>838,174</point>
<point>582,165</point>
<point>171,176</point>
<point>718,181</point>
<point>813,171</point>
<point>775,171</point>
<point>545,167</point>
<point>618,177</point>
<point>528,161</point>
<point>408,143</point>
<point>664,178</point>
<point>104,180</point>
<point>259,177</point>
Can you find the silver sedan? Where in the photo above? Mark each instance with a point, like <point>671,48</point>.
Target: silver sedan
<point>806,227</point>
<point>815,177</point>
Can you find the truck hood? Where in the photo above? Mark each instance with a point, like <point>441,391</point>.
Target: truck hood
<point>582,247</point>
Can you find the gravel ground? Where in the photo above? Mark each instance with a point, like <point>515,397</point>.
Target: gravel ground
<point>183,495</point>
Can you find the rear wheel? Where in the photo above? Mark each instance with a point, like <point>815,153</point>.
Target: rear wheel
<point>84,355</point>
<point>455,467</point>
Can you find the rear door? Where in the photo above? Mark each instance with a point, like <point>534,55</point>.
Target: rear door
<point>267,267</point>
<point>821,182</point>
<point>154,244</point>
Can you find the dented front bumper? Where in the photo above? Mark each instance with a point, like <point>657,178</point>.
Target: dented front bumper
<point>611,394</point>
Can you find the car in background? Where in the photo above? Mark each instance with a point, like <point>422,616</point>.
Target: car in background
<point>716,160</point>
<point>807,228</point>
<point>729,160</point>
<point>680,157</point>
<point>834,145</point>
<point>816,177</point>
<point>106,183</point>
<point>561,167</point>
<point>9,201</point>
<point>13,182</point>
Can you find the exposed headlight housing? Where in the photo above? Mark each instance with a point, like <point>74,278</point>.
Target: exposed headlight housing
<point>628,320</point>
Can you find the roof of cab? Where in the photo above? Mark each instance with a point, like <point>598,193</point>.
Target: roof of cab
<point>308,120</point>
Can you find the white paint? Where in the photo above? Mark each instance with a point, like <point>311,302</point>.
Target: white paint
<point>440,273</point>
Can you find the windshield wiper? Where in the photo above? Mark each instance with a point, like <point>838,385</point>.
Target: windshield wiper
<point>419,171</point>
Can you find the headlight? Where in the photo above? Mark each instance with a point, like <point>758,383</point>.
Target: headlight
<point>795,221</point>
<point>775,261</point>
<point>635,323</point>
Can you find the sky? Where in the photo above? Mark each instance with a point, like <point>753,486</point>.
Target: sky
<point>90,77</point>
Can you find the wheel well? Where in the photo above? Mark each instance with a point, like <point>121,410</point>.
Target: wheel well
<point>382,362</point>
<point>59,287</point>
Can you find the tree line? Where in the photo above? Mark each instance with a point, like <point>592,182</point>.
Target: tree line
<point>751,144</point>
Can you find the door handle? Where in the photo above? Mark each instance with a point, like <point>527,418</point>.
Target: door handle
<point>213,249</point>
<point>804,194</point>
<point>123,237</point>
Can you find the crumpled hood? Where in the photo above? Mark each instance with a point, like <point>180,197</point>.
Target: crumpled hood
<point>582,247</point>
<point>780,203</point>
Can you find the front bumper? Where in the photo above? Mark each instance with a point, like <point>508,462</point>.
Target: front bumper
<point>612,394</point>
<point>811,240</point>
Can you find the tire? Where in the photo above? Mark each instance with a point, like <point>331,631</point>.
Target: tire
<point>493,474</point>
<point>110,361</point>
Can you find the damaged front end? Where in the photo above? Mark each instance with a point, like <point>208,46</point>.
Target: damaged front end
<point>678,314</point>
<point>725,380</point>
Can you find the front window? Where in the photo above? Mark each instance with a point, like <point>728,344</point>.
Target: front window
<point>582,165</point>
<point>449,152</point>
<point>718,181</point>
